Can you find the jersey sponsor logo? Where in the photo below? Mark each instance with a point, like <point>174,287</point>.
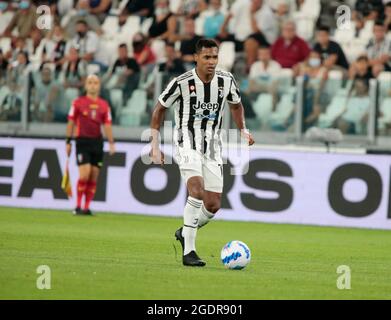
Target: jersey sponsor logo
<point>201,116</point>
<point>206,106</point>
<point>94,106</point>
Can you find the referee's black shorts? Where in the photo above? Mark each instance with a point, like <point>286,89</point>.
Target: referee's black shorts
<point>89,151</point>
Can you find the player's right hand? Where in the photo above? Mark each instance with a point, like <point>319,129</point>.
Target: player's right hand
<point>68,149</point>
<point>157,156</point>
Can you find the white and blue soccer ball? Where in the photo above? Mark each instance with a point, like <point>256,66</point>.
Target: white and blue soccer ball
<point>235,255</point>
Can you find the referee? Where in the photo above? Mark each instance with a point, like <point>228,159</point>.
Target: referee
<point>88,113</point>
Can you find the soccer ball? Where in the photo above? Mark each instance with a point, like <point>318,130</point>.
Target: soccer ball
<point>235,255</point>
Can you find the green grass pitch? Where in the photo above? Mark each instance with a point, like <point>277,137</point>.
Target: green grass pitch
<point>111,256</point>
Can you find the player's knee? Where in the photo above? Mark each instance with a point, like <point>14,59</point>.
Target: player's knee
<point>196,192</point>
<point>212,206</point>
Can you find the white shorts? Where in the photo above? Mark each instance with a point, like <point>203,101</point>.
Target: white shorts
<point>193,163</point>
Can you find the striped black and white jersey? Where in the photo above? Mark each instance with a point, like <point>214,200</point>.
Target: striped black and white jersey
<point>199,109</point>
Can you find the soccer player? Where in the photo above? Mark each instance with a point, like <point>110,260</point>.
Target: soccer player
<point>88,113</point>
<point>199,96</point>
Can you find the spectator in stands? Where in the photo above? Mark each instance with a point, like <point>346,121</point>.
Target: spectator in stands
<point>17,73</point>
<point>86,41</point>
<point>379,49</point>
<point>387,19</point>
<point>142,8</point>
<point>6,15</point>
<point>192,8</point>
<point>17,46</point>
<point>289,49</point>
<point>282,14</point>
<point>54,48</point>
<point>173,66</point>
<point>371,10</point>
<point>47,103</point>
<point>3,68</point>
<point>82,14</point>
<point>214,19</point>
<point>361,70</point>
<point>124,74</point>
<point>164,21</point>
<point>35,47</point>
<point>331,52</point>
<point>263,77</point>
<point>252,22</point>
<point>73,74</point>
<point>356,113</point>
<point>188,44</point>
<point>315,77</point>
<point>142,52</point>
<point>100,8</point>
<point>23,21</point>
<point>359,23</point>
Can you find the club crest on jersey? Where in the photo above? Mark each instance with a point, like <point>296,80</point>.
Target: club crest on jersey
<point>206,106</point>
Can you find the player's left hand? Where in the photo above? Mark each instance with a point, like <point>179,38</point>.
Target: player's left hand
<point>248,136</point>
<point>111,149</point>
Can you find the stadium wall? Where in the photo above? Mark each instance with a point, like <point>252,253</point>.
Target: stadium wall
<point>278,186</point>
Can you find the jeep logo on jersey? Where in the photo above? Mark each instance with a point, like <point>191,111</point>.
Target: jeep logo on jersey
<point>206,106</point>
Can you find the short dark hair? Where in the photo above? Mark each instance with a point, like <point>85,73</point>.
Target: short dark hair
<point>388,4</point>
<point>379,22</point>
<point>123,46</point>
<point>264,46</point>
<point>362,58</point>
<point>81,21</point>
<point>324,28</point>
<point>205,43</point>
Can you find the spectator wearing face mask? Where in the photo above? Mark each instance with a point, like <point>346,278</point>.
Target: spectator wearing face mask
<point>23,21</point>
<point>164,22</point>
<point>142,52</point>
<point>85,40</point>
<point>315,76</point>
<point>82,13</point>
<point>214,19</point>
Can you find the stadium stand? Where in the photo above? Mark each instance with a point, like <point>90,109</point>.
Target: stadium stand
<point>84,38</point>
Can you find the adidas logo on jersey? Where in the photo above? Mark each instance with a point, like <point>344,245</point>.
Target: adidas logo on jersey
<point>206,106</point>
